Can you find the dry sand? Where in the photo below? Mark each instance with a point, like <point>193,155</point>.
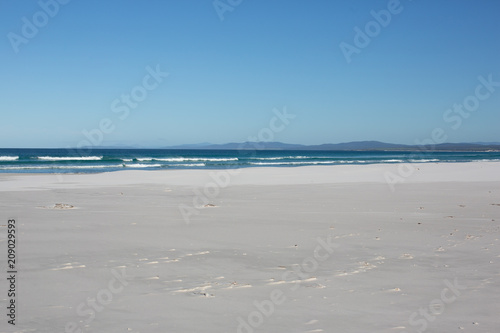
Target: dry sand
<point>308,249</point>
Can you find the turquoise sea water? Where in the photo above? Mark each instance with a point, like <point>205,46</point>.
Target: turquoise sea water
<point>106,160</point>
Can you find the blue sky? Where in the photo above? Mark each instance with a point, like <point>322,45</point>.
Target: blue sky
<point>225,77</point>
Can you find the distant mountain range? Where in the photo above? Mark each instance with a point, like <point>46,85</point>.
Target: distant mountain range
<point>356,145</point>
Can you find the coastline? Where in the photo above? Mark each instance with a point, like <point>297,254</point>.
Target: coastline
<point>372,173</point>
<point>61,161</point>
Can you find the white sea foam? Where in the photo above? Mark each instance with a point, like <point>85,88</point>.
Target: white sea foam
<point>106,166</point>
<point>48,167</point>
<point>70,158</point>
<point>487,160</point>
<point>327,162</point>
<point>196,159</point>
<point>423,160</point>
<point>182,159</point>
<point>283,158</point>
<point>140,165</point>
<point>8,158</point>
<point>392,161</point>
<point>189,164</point>
<point>293,163</point>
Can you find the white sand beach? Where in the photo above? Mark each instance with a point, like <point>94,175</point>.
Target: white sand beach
<point>303,249</point>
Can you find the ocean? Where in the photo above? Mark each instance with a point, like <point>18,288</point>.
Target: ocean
<point>108,160</point>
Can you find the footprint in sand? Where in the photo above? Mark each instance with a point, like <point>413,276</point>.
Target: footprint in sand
<point>68,265</point>
<point>236,285</point>
<point>152,278</point>
<point>203,294</point>
<point>170,260</point>
<point>315,285</point>
<point>58,206</point>
<point>197,291</point>
<point>470,237</point>
<point>196,254</point>
<point>406,256</point>
<point>364,266</point>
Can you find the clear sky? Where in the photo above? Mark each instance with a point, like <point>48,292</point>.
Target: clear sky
<point>66,68</point>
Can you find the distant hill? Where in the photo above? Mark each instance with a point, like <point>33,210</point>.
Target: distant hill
<point>244,145</point>
<point>355,145</point>
<point>487,143</point>
<point>359,145</point>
